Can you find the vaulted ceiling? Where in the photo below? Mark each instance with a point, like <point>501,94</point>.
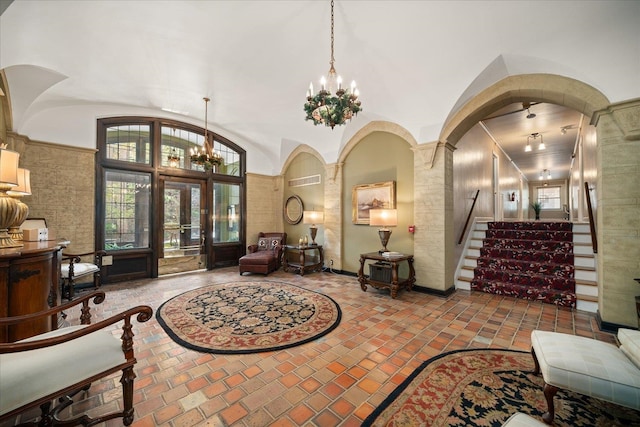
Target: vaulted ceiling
<point>68,63</point>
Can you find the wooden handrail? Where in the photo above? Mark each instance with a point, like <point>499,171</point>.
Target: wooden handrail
<point>592,225</point>
<point>466,224</point>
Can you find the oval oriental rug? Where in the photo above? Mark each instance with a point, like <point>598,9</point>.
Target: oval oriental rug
<point>247,317</point>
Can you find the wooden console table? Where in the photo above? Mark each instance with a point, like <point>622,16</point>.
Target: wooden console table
<point>304,263</point>
<point>29,282</point>
<point>394,283</point>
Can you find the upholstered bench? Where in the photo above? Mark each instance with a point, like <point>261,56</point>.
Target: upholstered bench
<point>522,420</point>
<point>588,367</point>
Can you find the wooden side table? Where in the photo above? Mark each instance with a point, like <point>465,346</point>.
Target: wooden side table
<point>395,283</point>
<point>305,263</point>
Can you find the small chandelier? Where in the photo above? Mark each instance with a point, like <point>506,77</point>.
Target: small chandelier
<point>205,157</point>
<point>326,108</point>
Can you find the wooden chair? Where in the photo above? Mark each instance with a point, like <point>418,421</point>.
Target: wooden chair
<point>78,266</point>
<point>49,369</point>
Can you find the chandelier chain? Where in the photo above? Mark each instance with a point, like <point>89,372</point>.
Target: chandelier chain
<point>332,58</point>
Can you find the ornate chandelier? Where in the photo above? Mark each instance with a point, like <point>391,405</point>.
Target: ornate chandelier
<point>326,108</point>
<point>205,157</point>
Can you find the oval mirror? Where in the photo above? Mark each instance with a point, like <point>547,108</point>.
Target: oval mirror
<point>293,210</point>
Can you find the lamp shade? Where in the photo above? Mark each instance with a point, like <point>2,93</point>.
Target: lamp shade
<point>9,167</point>
<point>383,217</point>
<point>24,184</point>
<point>313,217</point>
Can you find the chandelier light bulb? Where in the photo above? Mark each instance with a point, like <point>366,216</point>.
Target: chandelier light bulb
<point>527,148</point>
<point>542,146</point>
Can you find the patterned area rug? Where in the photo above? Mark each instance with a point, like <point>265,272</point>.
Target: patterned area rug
<point>247,317</point>
<point>484,388</point>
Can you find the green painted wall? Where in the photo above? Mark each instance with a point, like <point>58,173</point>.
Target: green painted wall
<point>378,157</point>
<point>304,165</point>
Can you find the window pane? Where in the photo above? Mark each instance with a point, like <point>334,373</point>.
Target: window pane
<point>226,213</point>
<point>549,197</point>
<point>127,197</point>
<point>179,142</point>
<point>230,159</point>
<point>129,143</point>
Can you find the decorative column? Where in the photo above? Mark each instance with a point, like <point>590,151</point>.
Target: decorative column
<point>332,227</point>
<point>433,216</point>
<point>618,211</point>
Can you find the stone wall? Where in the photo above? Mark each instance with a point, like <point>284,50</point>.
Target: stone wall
<point>63,189</point>
<point>264,205</point>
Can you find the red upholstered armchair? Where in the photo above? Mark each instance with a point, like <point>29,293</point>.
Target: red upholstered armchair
<point>265,256</point>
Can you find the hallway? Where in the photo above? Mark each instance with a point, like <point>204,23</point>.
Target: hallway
<point>336,380</point>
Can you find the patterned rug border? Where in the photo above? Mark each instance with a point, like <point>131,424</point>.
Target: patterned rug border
<point>368,422</point>
<point>201,349</point>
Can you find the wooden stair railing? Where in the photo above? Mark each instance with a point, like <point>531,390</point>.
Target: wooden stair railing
<point>466,224</point>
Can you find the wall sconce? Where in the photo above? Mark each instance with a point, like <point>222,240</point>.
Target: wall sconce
<point>383,218</point>
<point>313,218</point>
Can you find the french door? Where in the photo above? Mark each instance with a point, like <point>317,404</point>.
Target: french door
<point>182,207</point>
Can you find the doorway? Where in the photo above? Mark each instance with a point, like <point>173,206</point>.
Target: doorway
<point>182,225</point>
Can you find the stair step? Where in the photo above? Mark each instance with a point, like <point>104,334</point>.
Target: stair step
<point>529,267</point>
<point>523,278</point>
<point>552,296</point>
<point>528,255</point>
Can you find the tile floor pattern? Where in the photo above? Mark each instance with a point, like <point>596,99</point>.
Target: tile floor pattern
<point>336,380</point>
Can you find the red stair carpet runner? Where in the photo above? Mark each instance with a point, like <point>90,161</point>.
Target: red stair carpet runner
<point>529,260</point>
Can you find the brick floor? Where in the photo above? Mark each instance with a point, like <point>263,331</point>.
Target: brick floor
<point>336,380</point>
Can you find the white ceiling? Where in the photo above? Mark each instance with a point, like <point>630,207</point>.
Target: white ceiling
<point>69,62</point>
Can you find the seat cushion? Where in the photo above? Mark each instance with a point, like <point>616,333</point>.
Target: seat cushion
<point>79,269</point>
<point>258,258</point>
<point>630,344</point>
<point>30,375</point>
<point>587,366</point>
<point>522,420</point>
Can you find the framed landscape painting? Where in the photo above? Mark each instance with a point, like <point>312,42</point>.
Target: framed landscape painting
<point>381,195</point>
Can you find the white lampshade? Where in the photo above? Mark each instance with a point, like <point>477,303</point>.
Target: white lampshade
<point>9,167</point>
<point>383,217</point>
<point>313,217</point>
<point>24,184</point>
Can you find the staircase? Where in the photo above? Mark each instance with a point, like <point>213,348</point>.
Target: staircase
<point>539,260</point>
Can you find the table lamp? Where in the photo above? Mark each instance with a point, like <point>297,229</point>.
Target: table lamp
<point>313,218</point>
<point>8,205</point>
<point>22,189</point>
<point>383,218</point>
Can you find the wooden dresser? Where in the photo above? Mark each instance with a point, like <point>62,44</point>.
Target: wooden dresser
<point>29,282</point>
